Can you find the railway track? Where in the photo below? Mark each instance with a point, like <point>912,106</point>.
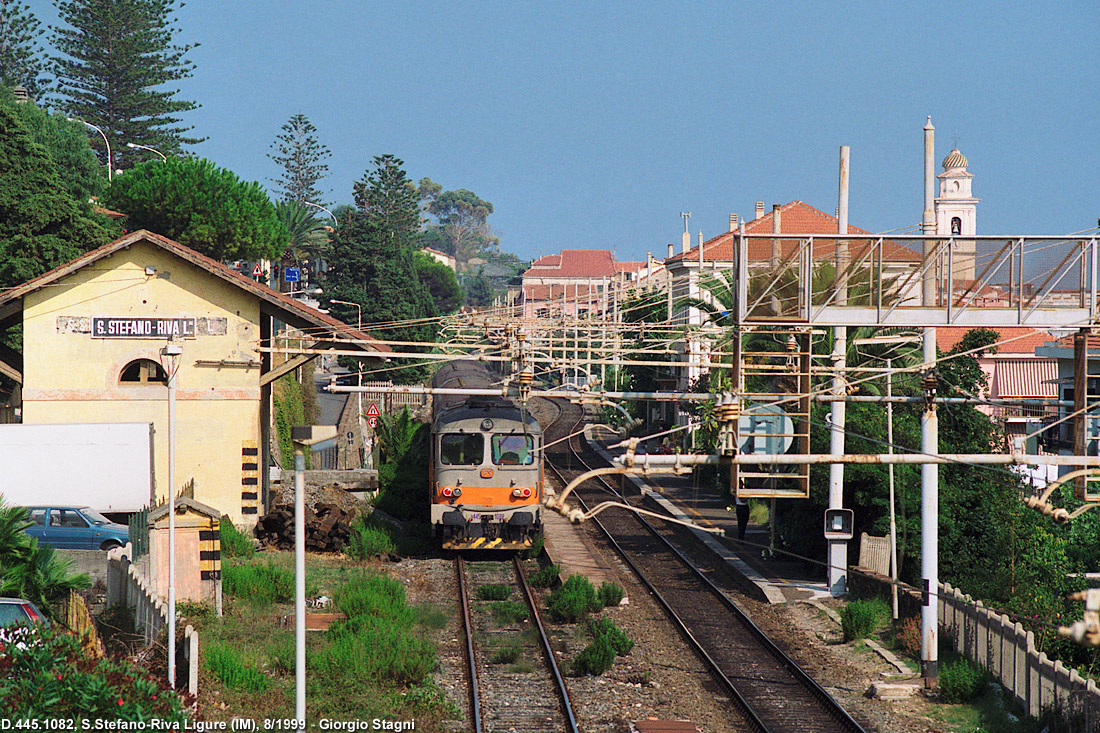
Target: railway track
<point>769,689</point>
<point>515,684</point>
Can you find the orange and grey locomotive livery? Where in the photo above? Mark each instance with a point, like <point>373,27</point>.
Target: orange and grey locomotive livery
<point>486,466</point>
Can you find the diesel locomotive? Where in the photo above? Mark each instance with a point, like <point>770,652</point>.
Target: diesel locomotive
<point>486,473</point>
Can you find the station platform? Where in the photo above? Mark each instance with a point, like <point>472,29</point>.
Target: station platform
<point>568,545</point>
<point>771,580</point>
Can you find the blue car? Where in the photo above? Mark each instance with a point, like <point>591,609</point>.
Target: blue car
<point>76,528</point>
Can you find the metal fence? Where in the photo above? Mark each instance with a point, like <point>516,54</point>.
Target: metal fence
<point>139,532</point>
<point>389,402</point>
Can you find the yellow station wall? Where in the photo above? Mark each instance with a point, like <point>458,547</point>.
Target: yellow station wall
<point>71,377</point>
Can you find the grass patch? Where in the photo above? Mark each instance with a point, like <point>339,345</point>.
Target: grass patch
<point>508,612</point>
<point>610,594</point>
<point>860,618</point>
<point>368,540</point>
<point>545,577</point>
<point>507,655</point>
<point>227,665</point>
<point>258,583</point>
<point>493,592</point>
<point>378,642</point>
<point>574,600</point>
<point>235,543</point>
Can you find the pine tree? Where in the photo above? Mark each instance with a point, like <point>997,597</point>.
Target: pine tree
<point>118,56</point>
<point>21,59</point>
<point>41,224</point>
<point>372,258</point>
<point>302,158</point>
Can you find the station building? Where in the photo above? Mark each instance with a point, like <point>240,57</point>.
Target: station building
<point>102,332</point>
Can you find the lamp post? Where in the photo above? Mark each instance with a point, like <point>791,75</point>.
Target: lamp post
<point>359,374</point>
<point>172,352</point>
<point>322,208</point>
<point>105,141</point>
<point>163,157</point>
<point>302,435</point>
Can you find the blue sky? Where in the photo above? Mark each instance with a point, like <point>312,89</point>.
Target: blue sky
<point>594,124</point>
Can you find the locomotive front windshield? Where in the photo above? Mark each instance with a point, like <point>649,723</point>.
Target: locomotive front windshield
<point>457,449</point>
<point>513,450</point>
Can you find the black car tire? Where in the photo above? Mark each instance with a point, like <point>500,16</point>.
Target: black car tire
<point>110,545</point>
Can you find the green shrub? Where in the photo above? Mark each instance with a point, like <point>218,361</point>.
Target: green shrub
<point>195,610</point>
<point>606,628</point>
<point>596,658</point>
<point>493,592</point>
<point>378,642</point>
<point>374,595</point>
<point>545,577</point>
<point>573,600</point>
<point>536,548</point>
<point>859,618</point>
<point>259,583</point>
<point>508,612</point>
<point>367,540</point>
<point>375,649</point>
<point>610,593</point>
<point>47,674</point>
<point>961,681</point>
<point>507,654</point>
<point>234,543</point>
<point>226,664</point>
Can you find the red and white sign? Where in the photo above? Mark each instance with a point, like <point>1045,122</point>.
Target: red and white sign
<point>372,411</point>
<point>372,422</point>
<point>256,271</point>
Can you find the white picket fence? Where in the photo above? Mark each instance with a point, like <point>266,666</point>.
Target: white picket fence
<point>127,586</point>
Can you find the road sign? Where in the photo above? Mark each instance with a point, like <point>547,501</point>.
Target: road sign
<point>291,274</point>
<point>765,429</point>
<point>372,411</point>
<point>351,437</point>
<point>257,271</point>
<point>372,421</point>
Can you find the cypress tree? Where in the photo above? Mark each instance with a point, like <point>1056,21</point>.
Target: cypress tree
<point>118,56</point>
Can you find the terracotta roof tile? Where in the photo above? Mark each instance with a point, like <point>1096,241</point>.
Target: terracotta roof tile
<point>794,218</point>
<point>576,263</point>
<point>1023,340</point>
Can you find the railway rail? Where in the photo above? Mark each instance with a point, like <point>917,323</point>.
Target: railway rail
<point>768,688</point>
<point>504,696</point>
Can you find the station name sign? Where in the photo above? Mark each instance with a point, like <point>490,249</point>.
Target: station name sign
<point>143,328</point>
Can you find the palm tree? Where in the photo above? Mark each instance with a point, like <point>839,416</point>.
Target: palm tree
<point>309,237</point>
<point>45,579</point>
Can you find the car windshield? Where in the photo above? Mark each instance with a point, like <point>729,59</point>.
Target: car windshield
<point>94,517</point>
<point>11,613</point>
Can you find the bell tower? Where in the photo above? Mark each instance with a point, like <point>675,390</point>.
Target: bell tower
<point>956,213</point>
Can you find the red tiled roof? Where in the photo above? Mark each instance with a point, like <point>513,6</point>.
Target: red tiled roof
<point>794,218</point>
<point>591,263</point>
<point>1020,339</point>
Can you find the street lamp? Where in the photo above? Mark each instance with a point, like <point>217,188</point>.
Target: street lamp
<point>322,208</point>
<point>163,157</point>
<point>105,142</point>
<point>900,339</point>
<point>359,371</point>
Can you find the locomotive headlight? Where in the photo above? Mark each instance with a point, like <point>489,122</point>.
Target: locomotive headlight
<point>456,492</point>
<point>486,424</point>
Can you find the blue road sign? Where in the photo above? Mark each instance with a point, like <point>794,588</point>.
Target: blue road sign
<point>291,274</point>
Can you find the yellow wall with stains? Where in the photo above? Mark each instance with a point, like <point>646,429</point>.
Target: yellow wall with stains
<point>72,377</point>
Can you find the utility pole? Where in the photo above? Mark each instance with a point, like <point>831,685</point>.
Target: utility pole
<point>838,548</point>
<point>929,438</point>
